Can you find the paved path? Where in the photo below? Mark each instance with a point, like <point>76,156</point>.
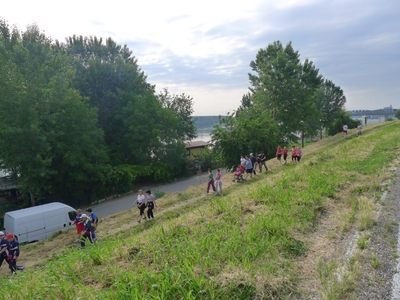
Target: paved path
<point>124,203</point>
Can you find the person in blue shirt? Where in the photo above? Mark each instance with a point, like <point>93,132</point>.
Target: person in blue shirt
<point>3,248</point>
<point>94,220</point>
<point>13,252</point>
<point>88,231</point>
<point>249,167</point>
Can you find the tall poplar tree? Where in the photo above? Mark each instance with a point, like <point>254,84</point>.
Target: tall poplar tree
<point>285,87</point>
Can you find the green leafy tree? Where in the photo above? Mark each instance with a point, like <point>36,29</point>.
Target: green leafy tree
<point>343,118</point>
<point>48,134</point>
<point>285,88</point>
<point>182,108</point>
<point>397,114</point>
<point>242,133</point>
<point>106,73</point>
<point>330,101</point>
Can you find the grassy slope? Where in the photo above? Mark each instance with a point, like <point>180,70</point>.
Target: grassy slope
<point>258,241</point>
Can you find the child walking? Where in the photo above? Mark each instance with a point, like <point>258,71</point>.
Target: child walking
<point>210,181</point>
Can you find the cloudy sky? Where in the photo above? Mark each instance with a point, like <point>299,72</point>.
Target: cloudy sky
<point>204,48</point>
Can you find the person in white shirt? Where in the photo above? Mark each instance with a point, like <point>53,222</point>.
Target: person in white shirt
<point>359,129</point>
<point>345,128</point>
<point>141,204</point>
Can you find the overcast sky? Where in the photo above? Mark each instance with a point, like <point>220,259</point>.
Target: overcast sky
<point>204,48</point>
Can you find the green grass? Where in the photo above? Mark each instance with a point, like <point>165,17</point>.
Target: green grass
<point>246,245</point>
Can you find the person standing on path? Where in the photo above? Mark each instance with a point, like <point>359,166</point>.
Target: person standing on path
<point>218,182</point>
<point>210,181</point>
<point>141,204</point>
<point>151,203</point>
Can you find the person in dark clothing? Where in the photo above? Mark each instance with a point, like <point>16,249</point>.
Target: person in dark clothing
<point>88,231</point>
<point>94,220</point>
<point>3,248</point>
<point>150,203</point>
<point>263,158</point>
<point>13,252</point>
<point>254,162</point>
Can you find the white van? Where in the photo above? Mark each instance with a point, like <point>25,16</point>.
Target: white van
<point>39,222</point>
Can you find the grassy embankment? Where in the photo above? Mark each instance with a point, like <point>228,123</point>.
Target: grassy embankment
<point>267,238</point>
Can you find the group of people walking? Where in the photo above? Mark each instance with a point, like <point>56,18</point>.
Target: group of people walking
<point>86,225</point>
<point>145,201</point>
<point>250,163</point>
<point>297,153</point>
<point>217,184</point>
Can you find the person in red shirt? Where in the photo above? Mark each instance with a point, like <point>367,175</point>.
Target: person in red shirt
<point>285,154</point>
<point>279,154</point>
<point>294,154</point>
<point>79,224</point>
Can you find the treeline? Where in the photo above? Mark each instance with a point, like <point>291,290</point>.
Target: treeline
<point>287,100</point>
<point>78,119</point>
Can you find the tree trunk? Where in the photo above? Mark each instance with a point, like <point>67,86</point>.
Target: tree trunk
<point>32,199</point>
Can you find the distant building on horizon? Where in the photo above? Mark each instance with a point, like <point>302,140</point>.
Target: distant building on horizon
<point>386,111</point>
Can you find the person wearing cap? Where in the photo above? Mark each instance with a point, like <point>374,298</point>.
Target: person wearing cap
<point>3,247</point>
<point>13,252</point>
<point>88,230</point>
<point>94,220</point>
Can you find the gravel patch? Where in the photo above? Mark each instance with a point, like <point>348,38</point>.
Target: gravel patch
<point>380,278</point>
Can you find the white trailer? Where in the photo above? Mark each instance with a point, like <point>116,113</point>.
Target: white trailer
<point>39,222</point>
